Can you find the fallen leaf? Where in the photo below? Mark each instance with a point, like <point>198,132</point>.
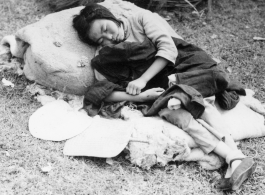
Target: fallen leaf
<point>229,69</point>
<point>217,60</point>
<point>214,36</point>
<point>7,153</point>
<point>110,161</point>
<point>46,169</point>
<point>259,38</point>
<point>7,83</point>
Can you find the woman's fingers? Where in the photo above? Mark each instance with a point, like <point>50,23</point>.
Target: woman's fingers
<point>129,89</point>
<point>138,91</point>
<point>132,90</point>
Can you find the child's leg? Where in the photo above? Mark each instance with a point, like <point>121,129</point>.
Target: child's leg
<point>205,140</point>
<point>214,118</point>
<point>184,120</point>
<point>241,167</point>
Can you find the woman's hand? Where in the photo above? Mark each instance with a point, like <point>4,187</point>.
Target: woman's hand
<point>151,94</point>
<point>148,95</point>
<point>135,87</point>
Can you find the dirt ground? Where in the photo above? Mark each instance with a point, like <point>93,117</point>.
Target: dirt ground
<point>227,36</point>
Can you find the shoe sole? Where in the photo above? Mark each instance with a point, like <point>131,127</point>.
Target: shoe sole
<point>243,176</point>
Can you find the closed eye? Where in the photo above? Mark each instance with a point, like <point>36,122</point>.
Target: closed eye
<point>104,28</point>
<point>100,41</point>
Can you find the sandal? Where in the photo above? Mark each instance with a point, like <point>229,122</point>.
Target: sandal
<point>242,172</point>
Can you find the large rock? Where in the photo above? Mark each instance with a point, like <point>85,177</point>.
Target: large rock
<point>53,54</point>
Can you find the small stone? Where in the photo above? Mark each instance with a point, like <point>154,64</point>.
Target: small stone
<point>57,44</point>
<point>214,36</point>
<point>46,169</point>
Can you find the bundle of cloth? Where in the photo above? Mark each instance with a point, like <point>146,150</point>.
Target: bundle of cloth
<point>146,141</point>
<point>55,57</point>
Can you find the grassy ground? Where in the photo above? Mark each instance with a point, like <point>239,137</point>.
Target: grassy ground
<point>234,24</point>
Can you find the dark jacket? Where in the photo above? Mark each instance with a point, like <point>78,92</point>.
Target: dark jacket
<point>127,61</point>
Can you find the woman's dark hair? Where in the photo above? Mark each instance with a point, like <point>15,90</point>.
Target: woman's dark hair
<point>84,20</point>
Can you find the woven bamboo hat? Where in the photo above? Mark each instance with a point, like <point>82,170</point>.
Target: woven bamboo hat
<point>104,138</point>
<point>58,121</point>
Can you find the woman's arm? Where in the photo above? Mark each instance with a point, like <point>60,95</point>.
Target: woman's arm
<point>148,95</point>
<point>158,34</point>
<point>144,23</point>
<point>134,87</point>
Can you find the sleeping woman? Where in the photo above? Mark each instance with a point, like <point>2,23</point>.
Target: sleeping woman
<point>140,61</point>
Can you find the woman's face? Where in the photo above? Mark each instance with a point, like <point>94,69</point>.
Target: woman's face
<point>105,32</point>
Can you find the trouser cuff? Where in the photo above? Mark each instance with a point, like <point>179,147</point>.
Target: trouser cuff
<point>234,155</point>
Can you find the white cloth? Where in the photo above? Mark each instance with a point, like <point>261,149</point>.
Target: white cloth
<point>150,140</point>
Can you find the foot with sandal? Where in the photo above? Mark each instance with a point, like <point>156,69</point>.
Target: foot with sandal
<point>239,170</point>
<point>240,167</point>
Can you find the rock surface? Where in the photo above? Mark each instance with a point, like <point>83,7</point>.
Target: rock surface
<point>55,52</point>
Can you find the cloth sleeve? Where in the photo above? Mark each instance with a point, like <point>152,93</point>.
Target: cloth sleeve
<point>158,35</point>
<point>97,92</point>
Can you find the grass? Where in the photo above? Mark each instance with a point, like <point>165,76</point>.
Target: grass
<point>234,22</point>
